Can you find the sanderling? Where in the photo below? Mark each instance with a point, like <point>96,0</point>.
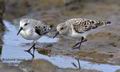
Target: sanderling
<point>31,29</point>
<point>79,28</point>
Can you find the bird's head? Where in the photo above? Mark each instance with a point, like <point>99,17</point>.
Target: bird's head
<point>62,29</point>
<point>24,24</point>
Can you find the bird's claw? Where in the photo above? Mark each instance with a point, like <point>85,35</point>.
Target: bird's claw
<point>32,54</point>
<point>27,50</point>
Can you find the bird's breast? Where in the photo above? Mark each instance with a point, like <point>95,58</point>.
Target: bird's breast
<point>29,34</point>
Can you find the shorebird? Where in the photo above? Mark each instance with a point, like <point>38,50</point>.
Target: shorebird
<point>31,29</point>
<point>79,28</point>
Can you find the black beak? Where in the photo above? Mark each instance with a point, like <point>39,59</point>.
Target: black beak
<point>19,30</point>
<point>57,33</point>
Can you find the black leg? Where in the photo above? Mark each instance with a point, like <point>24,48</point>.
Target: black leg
<point>78,45</point>
<point>75,45</point>
<point>30,48</point>
<point>34,49</point>
<point>31,54</point>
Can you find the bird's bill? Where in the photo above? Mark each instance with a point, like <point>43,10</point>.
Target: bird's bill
<point>57,33</point>
<point>19,30</point>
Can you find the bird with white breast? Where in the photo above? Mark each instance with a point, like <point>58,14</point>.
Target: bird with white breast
<point>31,29</point>
<point>79,28</point>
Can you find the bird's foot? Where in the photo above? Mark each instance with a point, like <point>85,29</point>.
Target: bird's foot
<point>27,50</point>
<point>33,46</point>
<point>30,54</point>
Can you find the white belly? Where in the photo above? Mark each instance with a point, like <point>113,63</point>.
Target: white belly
<point>78,35</point>
<point>29,35</point>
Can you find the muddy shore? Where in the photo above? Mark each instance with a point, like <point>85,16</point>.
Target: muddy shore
<point>102,47</point>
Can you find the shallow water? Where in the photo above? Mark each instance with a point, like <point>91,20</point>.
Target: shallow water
<point>13,52</point>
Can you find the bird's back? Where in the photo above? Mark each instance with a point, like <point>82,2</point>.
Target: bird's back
<point>41,28</point>
<point>81,25</point>
<point>35,28</point>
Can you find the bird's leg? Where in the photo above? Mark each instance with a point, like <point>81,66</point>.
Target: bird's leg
<point>30,48</point>
<point>34,49</point>
<point>78,45</point>
<point>31,54</point>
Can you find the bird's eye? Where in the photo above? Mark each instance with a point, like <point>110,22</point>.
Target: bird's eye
<point>26,24</point>
<point>61,28</point>
<point>44,27</point>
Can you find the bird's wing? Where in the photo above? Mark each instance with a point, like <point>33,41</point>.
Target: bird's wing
<point>38,30</point>
<point>83,25</point>
<point>42,29</point>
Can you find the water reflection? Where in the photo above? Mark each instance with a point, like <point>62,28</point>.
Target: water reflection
<point>13,52</point>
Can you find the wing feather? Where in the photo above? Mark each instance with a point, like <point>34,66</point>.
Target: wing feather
<point>82,25</point>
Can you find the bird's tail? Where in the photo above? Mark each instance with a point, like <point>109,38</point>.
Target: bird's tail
<point>102,23</point>
<point>107,22</point>
<point>51,26</point>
